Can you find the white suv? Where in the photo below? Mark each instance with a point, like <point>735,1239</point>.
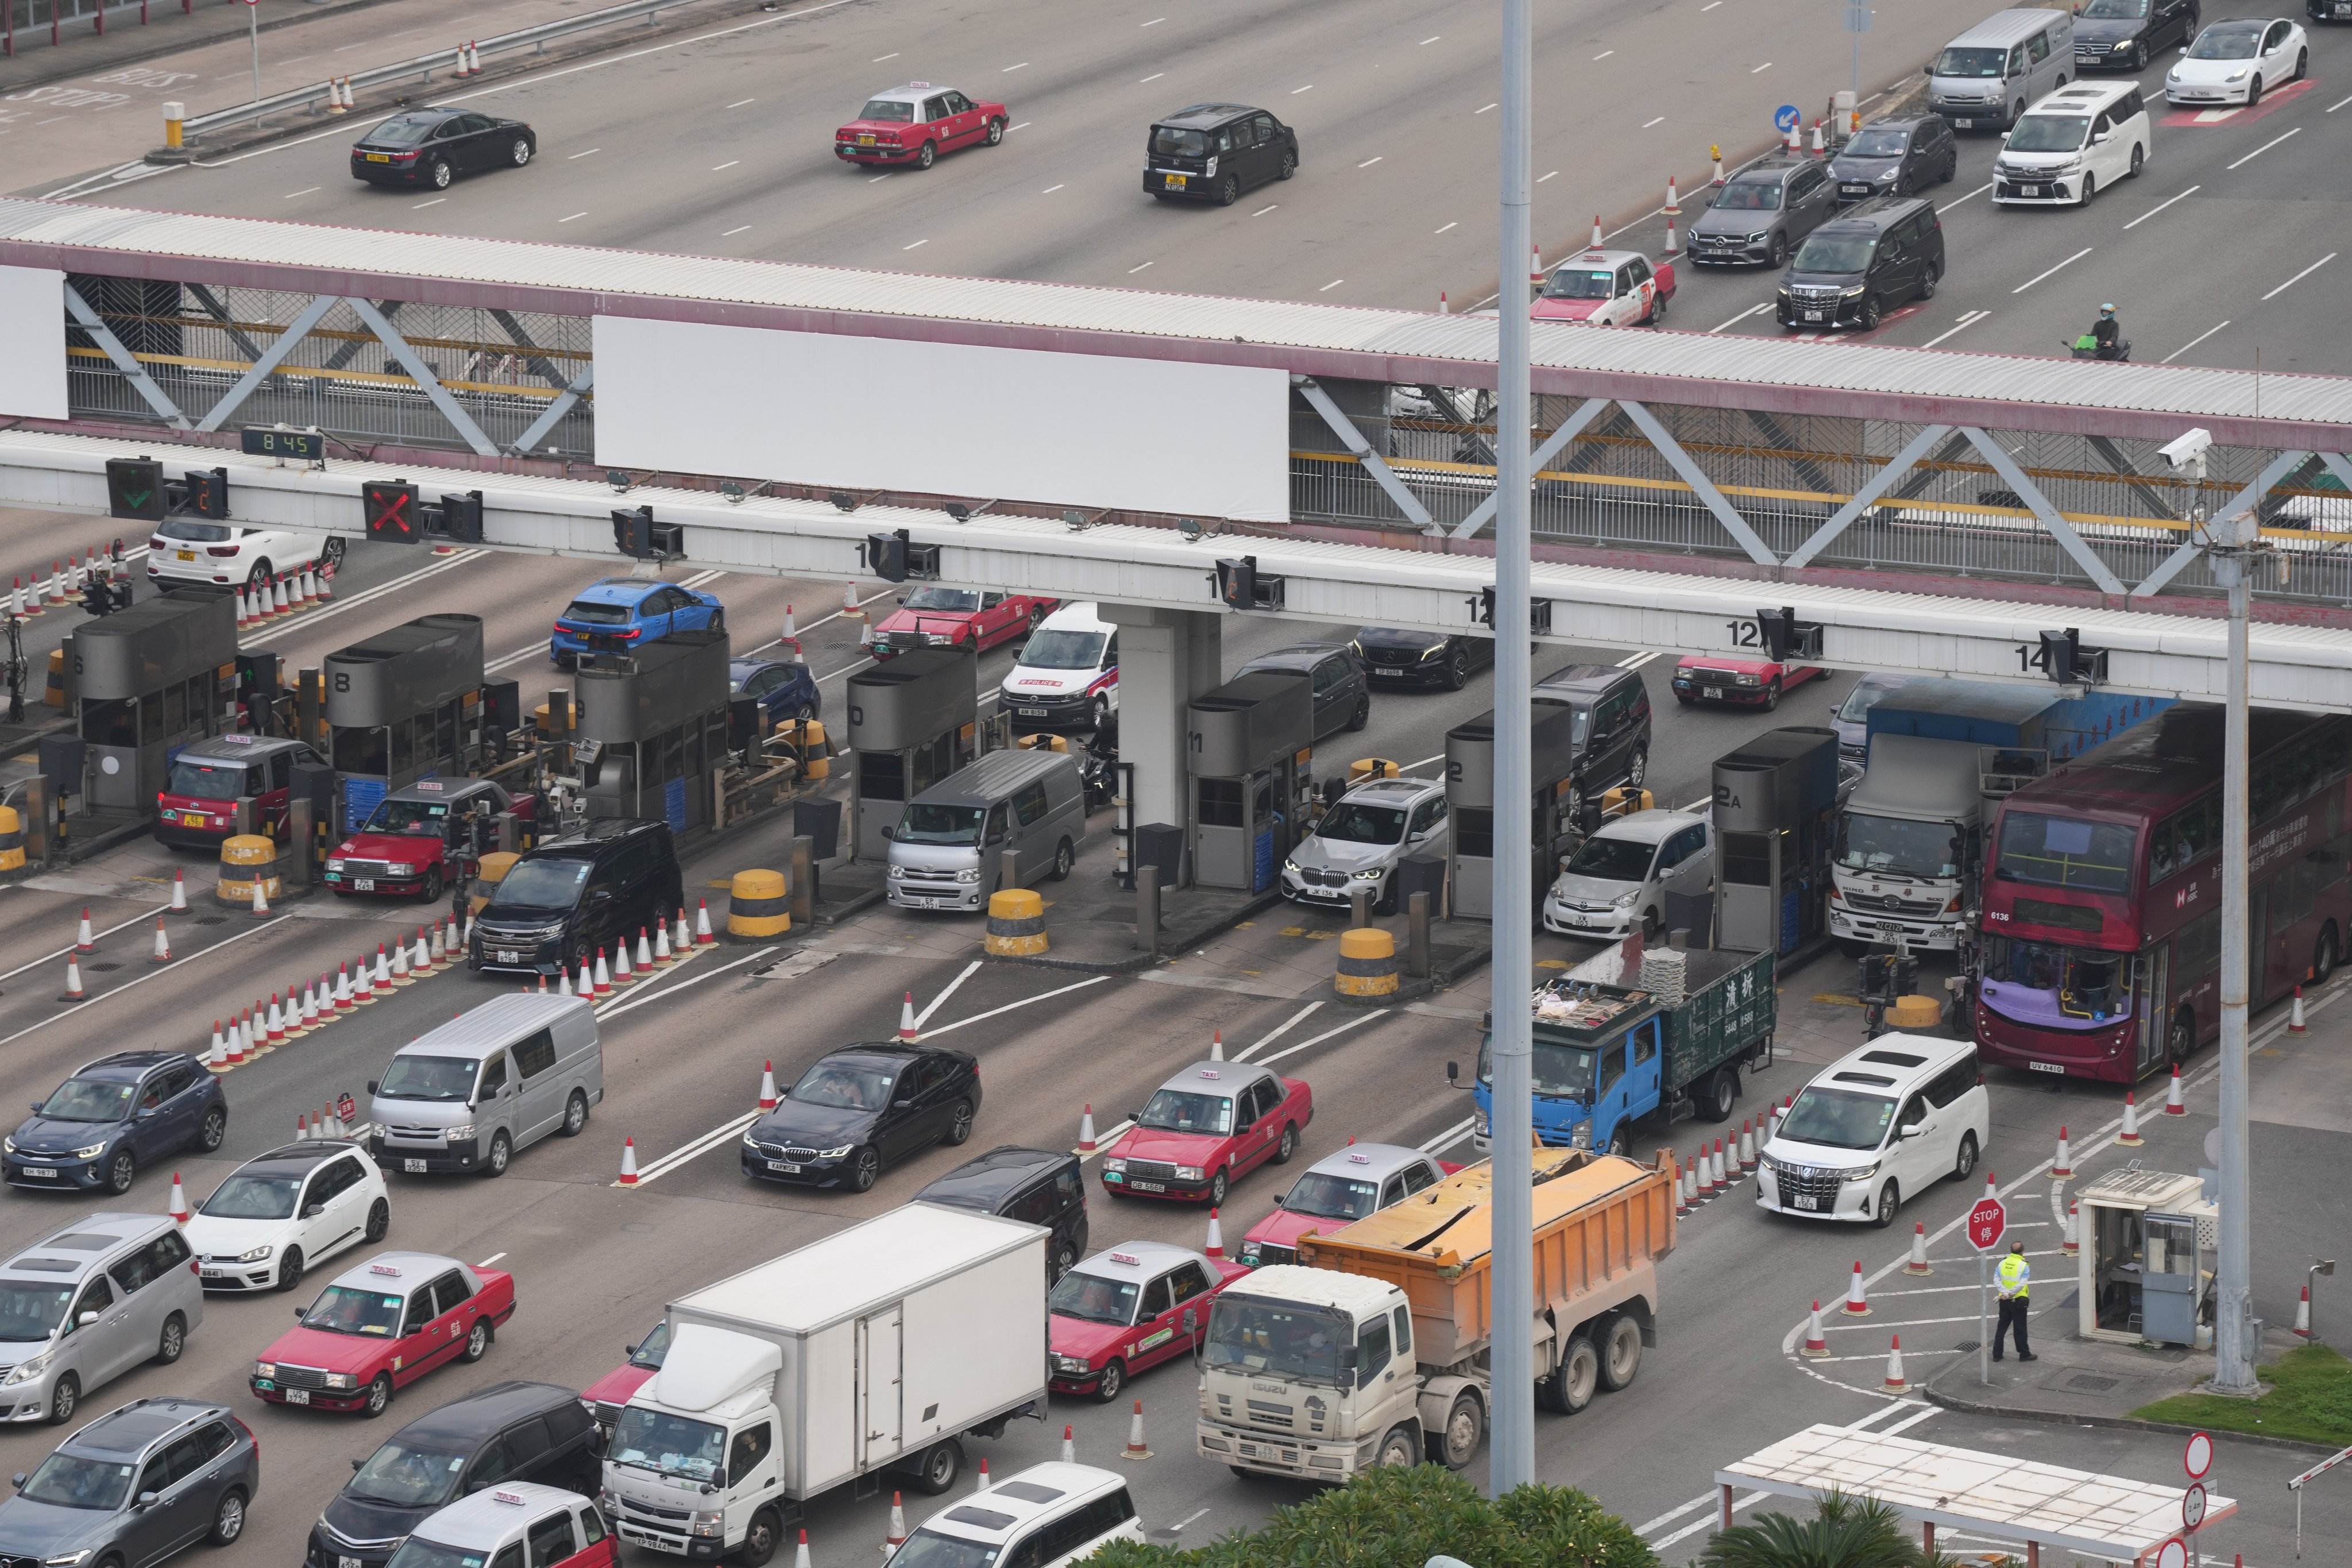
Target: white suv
<point>1876,1127</point>
<point>1359,842</point>
<point>186,550</point>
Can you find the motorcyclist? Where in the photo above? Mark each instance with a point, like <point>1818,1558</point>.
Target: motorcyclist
<point>2108,335</point>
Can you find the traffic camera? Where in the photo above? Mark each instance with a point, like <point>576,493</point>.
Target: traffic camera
<point>1786,638</point>
<point>1538,613</point>
<point>2066,661</point>
<point>895,558</point>
<point>1243,587</point>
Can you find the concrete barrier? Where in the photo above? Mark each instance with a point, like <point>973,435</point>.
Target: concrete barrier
<point>1016,923</point>
<point>248,859</point>
<point>1364,768</point>
<point>1367,963</point>
<point>1916,1015</point>
<point>488,873</point>
<point>12,839</point>
<point>756,906</point>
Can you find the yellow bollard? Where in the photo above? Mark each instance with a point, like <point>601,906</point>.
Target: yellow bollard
<point>1626,801</point>
<point>1364,768</point>
<point>491,870</point>
<point>756,906</point>
<point>247,859</point>
<point>174,115</point>
<point>1367,963</point>
<point>1016,923</point>
<point>54,694</point>
<point>12,839</point>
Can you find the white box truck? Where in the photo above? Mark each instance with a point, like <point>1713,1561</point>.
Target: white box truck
<point>872,1350</point>
<point>1910,842</point>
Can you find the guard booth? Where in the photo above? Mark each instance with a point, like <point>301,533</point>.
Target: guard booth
<point>1247,743</point>
<point>913,719</point>
<point>1470,805</point>
<point>2148,1259</point>
<point>1775,822</point>
<point>652,728</point>
<point>403,705</point>
<point>146,681</point>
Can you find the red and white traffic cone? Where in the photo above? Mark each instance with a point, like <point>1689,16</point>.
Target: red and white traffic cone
<point>344,1000</point>
<point>907,1030</point>
<point>236,1042</point>
<point>56,584</point>
<point>662,954</point>
<point>702,937</point>
<point>644,952</point>
<point>1087,1131</point>
<point>179,892</point>
<point>897,1534</point>
<point>1857,1305</point>
<point>179,1209</point>
<point>400,963</point>
<point>309,588</point>
<point>74,992</point>
<point>1217,1047</point>
<point>2062,1166</point>
<point>801,1552</point>
<point>587,986</point>
<point>1817,1345</point>
<point>768,1086</point>
<point>273,1023</point>
<point>1443,307</point>
<point>2295,1024</point>
<point>1534,264</point>
<point>2129,1137</point>
<point>441,941</point>
<point>1136,1447</point>
<point>383,969</point>
<point>363,993</point>
<point>1704,1174</point>
<point>83,940</point>
<point>420,957</point>
<point>1894,1383</point>
<point>682,942</point>
<point>2302,1315</point>
<point>562,981</point>
<point>1918,1262</point>
<point>1216,1247</point>
<point>1724,1176</point>
<point>628,1161</point>
<point>1748,1144</point>
<point>16,609</point>
<point>604,981</point>
<point>278,603</point>
<point>623,972</point>
<point>2173,1105</point>
<point>1069,1447</point>
<point>217,1057</point>
<point>1596,232</point>
<point>260,897</point>
<point>1819,144</point>
<point>2073,1246</point>
<point>162,954</point>
<point>1682,1189</point>
<point>314,1004</point>
<point>303,1132</point>
<point>981,1485</point>
<point>849,610</point>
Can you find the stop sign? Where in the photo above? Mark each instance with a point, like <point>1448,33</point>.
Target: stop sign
<point>1986,1221</point>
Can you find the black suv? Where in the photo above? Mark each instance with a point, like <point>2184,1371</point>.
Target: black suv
<point>1612,731</point>
<point>114,1116</point>
<point>564,901</point>
<point>1215,151</point>
<point>198,1469</point>
<point>1041,1187</point>
<point>1855,268</point>
<point>506,1432</point>
<point>1343,693</point>
<point>1895,158</point>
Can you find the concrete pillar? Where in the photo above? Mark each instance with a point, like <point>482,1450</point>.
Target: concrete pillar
<point>1166,657</point>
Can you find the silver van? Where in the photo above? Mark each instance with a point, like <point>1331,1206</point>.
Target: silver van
<point>1986,77</point>
<point>487,1083</point>
<point>1619,880</point>
<point>948,843</point>
<point>88,1304</point>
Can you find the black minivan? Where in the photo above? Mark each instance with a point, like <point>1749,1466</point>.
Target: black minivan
<point>1854,268</point>
<point>562,901</point>
<point>1215,151</point>
<point>1611,730</point>
<point>1041,1187</point>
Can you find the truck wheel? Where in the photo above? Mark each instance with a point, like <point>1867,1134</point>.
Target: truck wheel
<point>1400,1449</point>
<point>1465,1427</point>
<point>938,1467</point>
<point>1570,1389</point>
<point>1616,1140</point>
<point>1621,1351</point>
<point>1716,1096</point>
<point>760,1539</point>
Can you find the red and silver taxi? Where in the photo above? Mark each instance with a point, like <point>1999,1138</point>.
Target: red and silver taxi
<point>605,1398</point>
<point>418,837</point>
<point>1607,288</point>
<point>196,807</point>
<point>545,1526</point>
<point>1123,1310</point>
<point>1205,1129</point>
<point>1359,1180</point>
<point>381,1326</point>
<point>915,123</point>
<point>933,616</point>
<point>1742,682</point>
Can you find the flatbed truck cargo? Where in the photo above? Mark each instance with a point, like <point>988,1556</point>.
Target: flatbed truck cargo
<point>1374,1348</point>
<point>874,1350</point>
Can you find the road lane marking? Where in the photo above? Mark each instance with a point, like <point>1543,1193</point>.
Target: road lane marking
<point>1133,271</point>
<point>1429,40</point>
<point>924,1016</point>
<point>1450,1137</point>
<point>1636,660</point>
<point>569,219</point>
<point>493,1257</point>
<point>1423,764</point>
<point>655,1170</point>
<point>1153,23</point>
<point>313,190</point>
<point>1049,190</point>
<point>891,55</point>
<point>2247,159</point>
<point>1743,315</point>
<point>1331,285</point>
<point>2337,105</point>
<point>733,232</point>
<point>1104,1140</point>
<point>269,923</point>
<point>1278,1032</point>
<point>1319,1039</point>
<point>1022,126</point>
<point>918,245</point>
<point>729,164</point>
<point>613,1009</point>
<point>1602,56</point>
<point>1014,1006</point>
<point>1541,178</point>
<point>590,153</point>
<point>2038,276</point>
<point>1489,106</point>
<point>2162,205</point>
<point>1660,119</point>
<point>1371,160</point>
<point>2300,275</point>
<point>1265,209</point>
<point>355,601</point>
<point>435,202</point>
<point>1008,70</point>
<point>1456,224</point>
<point>742,101</point>
<point>52,957</point>
<point>1980,190</point>
<point>1970,319</point>
<point>2190,345</point>
<point>1155,76</point>
<point>1765,67</point>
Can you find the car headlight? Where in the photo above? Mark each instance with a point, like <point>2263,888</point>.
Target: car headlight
<point>969,874</point>
<point>1478,1123</point>
<point>28,1369</point>
<point>1071,1364</point>
<point>341,1380</point>
<point>1213,170</point>
<point>1432,652</point>
<point>334,864</point>
<point>1188,1173</point>
<point>750,1142</point>
<point>9,1143</point>
<point>1290,864</point>
<point>935,639</point>
<point>67,1559</point>
<point>2237,76</point>
<point>840,1154</point>
<point>260,1369</point>
<point>256,1256</point>
<point>2173,75</point>
<point>1373,874</point>
<point>1114,1165</point>
<point>1862,1173</point>
<point>461,1134</point>
<point>89,1153</point>
<point>1581,1135</point>
<point>1746,679</point>
<point>1854,293</point>
<point>1886,175</point>
<point>700,1523</point>
<point>1249,1252</point>
<point>1758,236</point>
<point>2122,46</point>
<point>605,1500</point>
<point>895,872</point>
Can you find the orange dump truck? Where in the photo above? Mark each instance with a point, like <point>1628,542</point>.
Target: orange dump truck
<point>1373,1349</point>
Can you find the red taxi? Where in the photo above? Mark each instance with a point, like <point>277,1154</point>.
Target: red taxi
<point>1607,288</point>
<point>382,1325</point>
<point>1123,1310</point>
<point>1359,1180</point>
<point>1749,682</point>
<point>196,807</point>
<point>958,617</point>
<point>1201,1129</point>
<point>915,123</point>
<point>607,1396</point>
<point>417,837</point>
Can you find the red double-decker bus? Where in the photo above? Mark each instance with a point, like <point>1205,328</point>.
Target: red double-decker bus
<point>2101,950</point>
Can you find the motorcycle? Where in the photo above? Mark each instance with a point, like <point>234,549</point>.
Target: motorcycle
<point>2087,347</point>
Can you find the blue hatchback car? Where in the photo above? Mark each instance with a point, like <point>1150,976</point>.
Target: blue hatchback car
<point>785,688</point>
<point>120,1113</point>
<point>634,609</point>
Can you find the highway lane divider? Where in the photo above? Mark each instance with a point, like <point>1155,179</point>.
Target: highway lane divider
<point>262,1026</point>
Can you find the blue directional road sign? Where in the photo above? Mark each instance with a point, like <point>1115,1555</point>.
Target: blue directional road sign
<point>1785,118</point>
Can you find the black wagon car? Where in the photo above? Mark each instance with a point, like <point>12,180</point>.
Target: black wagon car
<point>1215,151</point>
<point>563,901</point>
<point>1343,695</point>
<point>434,146</point>
<point>135,1486</point>
<point>1853,270</point>
<point>115,1116</point>
<point>861,1107</point>
<point>1039,1186</point>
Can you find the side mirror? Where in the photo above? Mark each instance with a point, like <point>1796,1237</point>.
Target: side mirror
<point>357,1463</point>
<point>900,1104</point>
<point>37,1107</point>
<point>1135,1116</point>
<point>1191,1320</point>
<point>297,1314</point>
<point>18,1478</point>
<point>86,1320</point>
<point>147,1499</point>
<point>628,1350</point>
<point>312,1211</point>
<point>1454,1074</point>
<point>371,1086</point>
<point>889,833</point>
<point>1913,1130</point>
<point>1278,1197</point>
<point>1350,1358</point>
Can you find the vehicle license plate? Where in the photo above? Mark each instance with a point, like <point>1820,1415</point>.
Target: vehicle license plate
<point>185,555</point>
<point>865,141</point>
<point>413,1167</point>
<point>1813,315</point>
<point>1149,1186</point>
<point>379,157</point>
<point>42,1171</point>
<point>510,955</point>
<point>1173,182</point>
<point>347,1563</point>
<point>297,1396</point>
<point>364,884</point>
<point>2035,190</point>
<point>1856,189</point>
<point>2045,1067</point>
<point>785,1166</point>
<point>193,818</point>
<point>1806,1201</point>
<point>215,1273</point>
<point>1031,712</point>
<point>1388,672</point>
<point>1965,125</point>
<point>1887,932</point>
<point>1712,693</point>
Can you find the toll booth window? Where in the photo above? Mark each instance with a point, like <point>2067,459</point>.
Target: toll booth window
<point>934,761</point>
<point>151,716</point>
<point>208,781</point>
<point>1748,859</point>
<point>673,755</point>
<point>175,707</point>
<point>1474,834</point>
<point>112,723</point>
<point>1221,802</point>
<point>881,775</point>
<point>445,727</point>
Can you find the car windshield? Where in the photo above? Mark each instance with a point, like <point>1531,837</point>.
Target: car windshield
<point>2049,133</point>
<point>208,781</point>
<point>653,1350</point>
<point>667,1445</point>
<point>1877,144</point>
<point>843,1085</point>
<point>1866,694</point>
<point>958,599</point>
<point>418,1553</point>
<point>30,1312</point>
<point>1835,253</point>
<point>595,614</point>
<point>71,1480</point>
<point>897,111</point>
<point>1186,1110</point>
<point>1281,1338</point>
<point>2062,852</point>
<point>194,532</point>
<point>1353,822</point>
<point>1610,859</point>
<point>1094,1298</point>
<point>927,1549</point>
<point>428,1078</point>
<point>1062,649</point>
<point>552,884</point>
<point>1971,62</point>
<point>355,1309</point>
<point>2114,10</point>
<point>426,818</point>
<point>1175,142</point>
<point>1751,195</point>
<point>407,1476</point>
<point>1579,283</point>
<point>402,131</point>
<point>925,823</point>
<point>1838,1118</point>
<point>248,1197</point>
<point>1898,847</point>
<point>2227,43</point>
<point>1560,1072</point>
<point>1330,1195</point>
<point>88,1099</point>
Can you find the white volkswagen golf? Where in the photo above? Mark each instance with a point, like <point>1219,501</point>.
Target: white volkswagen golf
<point>281,1212</point>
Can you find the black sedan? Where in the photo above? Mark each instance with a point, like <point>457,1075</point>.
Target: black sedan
<point>861,1107</point>
<point>1398,656</point>
<point>2123,35</point>
<point>434,146</point>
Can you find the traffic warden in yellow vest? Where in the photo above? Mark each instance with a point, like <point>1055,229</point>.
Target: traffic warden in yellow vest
<point>2013,1279</point>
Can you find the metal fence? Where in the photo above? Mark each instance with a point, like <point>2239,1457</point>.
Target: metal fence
<point>38,22</point>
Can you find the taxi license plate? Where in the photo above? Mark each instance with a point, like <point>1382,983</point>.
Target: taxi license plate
<point>1806,1201</point>
<point>379,157</point>
<point>193,818</point>
<point>364,884</point>
<point>510,955</point>
<point>185,555</point>
<point>1813,315</point>
<point>1965,125</point>
<point>413,1167</point>
<point>1388,672</point>
<point>1031,712</point>
<point>341,1561</point>
<point>787,1167</point>
<point>865,141</point>
<point>297,1396</point>
<point>1712,693</point>
<point>1173,182</point>
<point>41,1172</point>
<point>1147,1187</point>
<point>2045,1067</point>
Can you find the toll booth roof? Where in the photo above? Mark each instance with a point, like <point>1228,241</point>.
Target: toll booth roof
<point>1249,690</point>
<point>2141,1189</point>
<point>1976,699</point>
<point>163,610</point>
<point>1781,745</point>
<point>912,665</point>
<point>659,654</point>
<point>1456,1215</point>
<point>1966,1489</point>
<point>426,631</point>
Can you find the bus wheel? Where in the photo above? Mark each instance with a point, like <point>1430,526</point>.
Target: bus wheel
<point>2323,955</point>
<point>2183,1041</point>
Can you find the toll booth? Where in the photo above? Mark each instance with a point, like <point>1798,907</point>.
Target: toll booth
<point>1470,805</point>
<point>653,728</point>
<point>403,705</point>
<point>2145,1267</point>
<point>146,681</point>
<point>913,719</point>
<point>1775,821</point>
<point>1247,743</point>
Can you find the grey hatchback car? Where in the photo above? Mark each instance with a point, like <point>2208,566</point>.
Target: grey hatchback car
<point>1343,693</point>
<point>135,1486</point>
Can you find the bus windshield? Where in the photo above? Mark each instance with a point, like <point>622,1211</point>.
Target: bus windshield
<point>2063,852</point>
<point>2063,987</point>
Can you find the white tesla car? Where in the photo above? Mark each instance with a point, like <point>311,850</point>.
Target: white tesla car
<point>2236,61</point>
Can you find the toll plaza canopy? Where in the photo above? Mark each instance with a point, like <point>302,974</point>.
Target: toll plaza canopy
<point>1994,1495</point>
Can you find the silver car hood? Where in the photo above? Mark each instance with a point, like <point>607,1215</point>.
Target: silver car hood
<point>934,856</point>
<point>1321,853</point>
<point>1591,889</point>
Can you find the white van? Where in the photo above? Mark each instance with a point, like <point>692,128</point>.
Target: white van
<point>1047,1516</point>
<point>1876,1127</point>
<point>1989,74</point>
<point>1067,674</point>
<point>2072,144</point>
<point>466,1096</point>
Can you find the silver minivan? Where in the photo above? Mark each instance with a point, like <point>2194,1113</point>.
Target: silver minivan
<point>487,1083</point>
<point>88,1304</point>
<point>949,843</point>
<point>1618,880</point>
<point>1986,77</point>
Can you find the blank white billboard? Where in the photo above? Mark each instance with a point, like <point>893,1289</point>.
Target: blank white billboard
<point>32,342</point>
<point>887,414</point>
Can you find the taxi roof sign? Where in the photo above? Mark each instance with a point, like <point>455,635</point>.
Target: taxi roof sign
<point>1126,1258</point>
<point>503,1495</point>
<point>430,786</point>
<point>1210,1072</point>
<point>1360,1159</point>
<point>389,1269</point>
<point>236,740</point>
